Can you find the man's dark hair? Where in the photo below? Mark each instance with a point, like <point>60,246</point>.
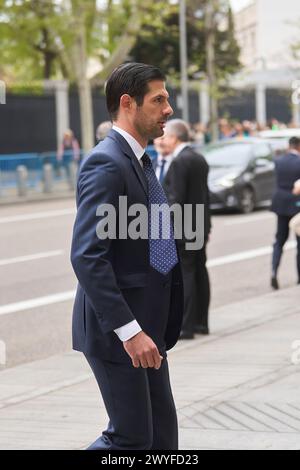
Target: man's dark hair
<point>294,142</point>
<point>132,79</point>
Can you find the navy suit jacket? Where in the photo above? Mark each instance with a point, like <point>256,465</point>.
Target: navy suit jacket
<point>113,274</point>
<point>287,170</point>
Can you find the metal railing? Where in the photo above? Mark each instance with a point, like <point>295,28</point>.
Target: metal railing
<point>10,163</point>
<point>31,170</point>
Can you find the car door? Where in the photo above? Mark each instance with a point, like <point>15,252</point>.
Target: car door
<point>264,171</point>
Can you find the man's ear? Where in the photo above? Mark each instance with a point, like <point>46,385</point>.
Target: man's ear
<point>126,102</point>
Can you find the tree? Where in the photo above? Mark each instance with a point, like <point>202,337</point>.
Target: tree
<point>212,47</point>
<point>52,39</point>
<point>125,20</point>
<point>158,40</point>
<point>49,39</point>
<point>27,38</point>
<point>82,18</point>
<point>210,10</point>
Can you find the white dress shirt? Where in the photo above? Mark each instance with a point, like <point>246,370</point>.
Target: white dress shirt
<point>137,149</point>
<point>129,330</point>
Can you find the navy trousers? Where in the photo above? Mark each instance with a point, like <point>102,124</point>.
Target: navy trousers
<point>140,407</point>
<point>282,235</point>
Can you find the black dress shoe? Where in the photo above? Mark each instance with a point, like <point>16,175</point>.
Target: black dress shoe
<point>201,330</point>
<point>186,335</point>
<point>274,283</point>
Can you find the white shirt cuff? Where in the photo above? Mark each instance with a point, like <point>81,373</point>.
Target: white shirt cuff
<point>129,330</point>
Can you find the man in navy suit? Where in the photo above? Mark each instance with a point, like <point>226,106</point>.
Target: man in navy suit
<point>129,301</point>
<point>285,204</point>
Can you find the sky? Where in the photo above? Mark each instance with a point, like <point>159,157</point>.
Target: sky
<point>239,4</point>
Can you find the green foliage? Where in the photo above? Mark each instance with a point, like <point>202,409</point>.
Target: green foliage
<point>37,37</point>
<point>34,87</point>
<point>158,41</point>
<point>28,46</point>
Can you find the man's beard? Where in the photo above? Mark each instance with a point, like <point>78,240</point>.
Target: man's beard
<point>148,132</point>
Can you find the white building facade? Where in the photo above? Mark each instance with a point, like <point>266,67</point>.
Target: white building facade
<point>266,30</point>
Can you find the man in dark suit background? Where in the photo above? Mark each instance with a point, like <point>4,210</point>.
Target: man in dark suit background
<point>129,301</point>
<point>285,204</point>
<point>186,183</point>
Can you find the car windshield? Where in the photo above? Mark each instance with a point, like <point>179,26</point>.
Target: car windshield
<point>227,155</point>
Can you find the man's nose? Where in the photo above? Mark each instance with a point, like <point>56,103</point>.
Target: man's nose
<point>169,110</point>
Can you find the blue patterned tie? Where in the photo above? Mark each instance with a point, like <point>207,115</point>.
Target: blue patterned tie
<point>163,253</point>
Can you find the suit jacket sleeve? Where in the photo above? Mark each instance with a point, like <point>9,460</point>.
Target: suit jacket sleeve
<point>99,182</point>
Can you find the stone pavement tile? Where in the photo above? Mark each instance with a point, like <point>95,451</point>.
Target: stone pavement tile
<point>43,373</point>
<point>222,386</point>
<point>193,439</point>
<point>209,379</point>
<point>240,313</point>
<point>247,416</point>
<point>232,360</point>
<point>57,420</point>
<point>46,444</point>
<point>283,388</point>
<point>241,413</point>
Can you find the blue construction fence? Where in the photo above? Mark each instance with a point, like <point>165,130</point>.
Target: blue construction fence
<point>34,163</point>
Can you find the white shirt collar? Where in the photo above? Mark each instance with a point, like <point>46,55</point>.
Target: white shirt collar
<point>294,152</point>
<point>137,149</point>
<point>160,157</point>
<point>179,148</point>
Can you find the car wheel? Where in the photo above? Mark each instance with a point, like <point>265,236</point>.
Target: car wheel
<point>247,201</point>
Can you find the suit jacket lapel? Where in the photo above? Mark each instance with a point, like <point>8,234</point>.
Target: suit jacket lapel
<point>140,173</point>
<point>127,150</point>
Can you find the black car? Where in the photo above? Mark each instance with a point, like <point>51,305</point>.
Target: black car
<point>241,173</point>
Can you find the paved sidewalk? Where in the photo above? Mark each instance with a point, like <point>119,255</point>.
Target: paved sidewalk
<point>236,389</point>
<point>35,196</point>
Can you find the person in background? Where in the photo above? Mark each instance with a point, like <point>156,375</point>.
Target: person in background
<point>163,160</point>
<point>186,183</point>
<point>226,131</point>
<point>102,130</point>
<point>286,203</point>
<point>239,131</point>
<point>207,133</point>
<point>68,151</point>
<point>199,133</point>
<point>275,126</point>
<point>248,128</point>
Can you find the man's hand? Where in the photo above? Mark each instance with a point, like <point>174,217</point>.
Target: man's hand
<point>143,351</point>
<point>296,189</point>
